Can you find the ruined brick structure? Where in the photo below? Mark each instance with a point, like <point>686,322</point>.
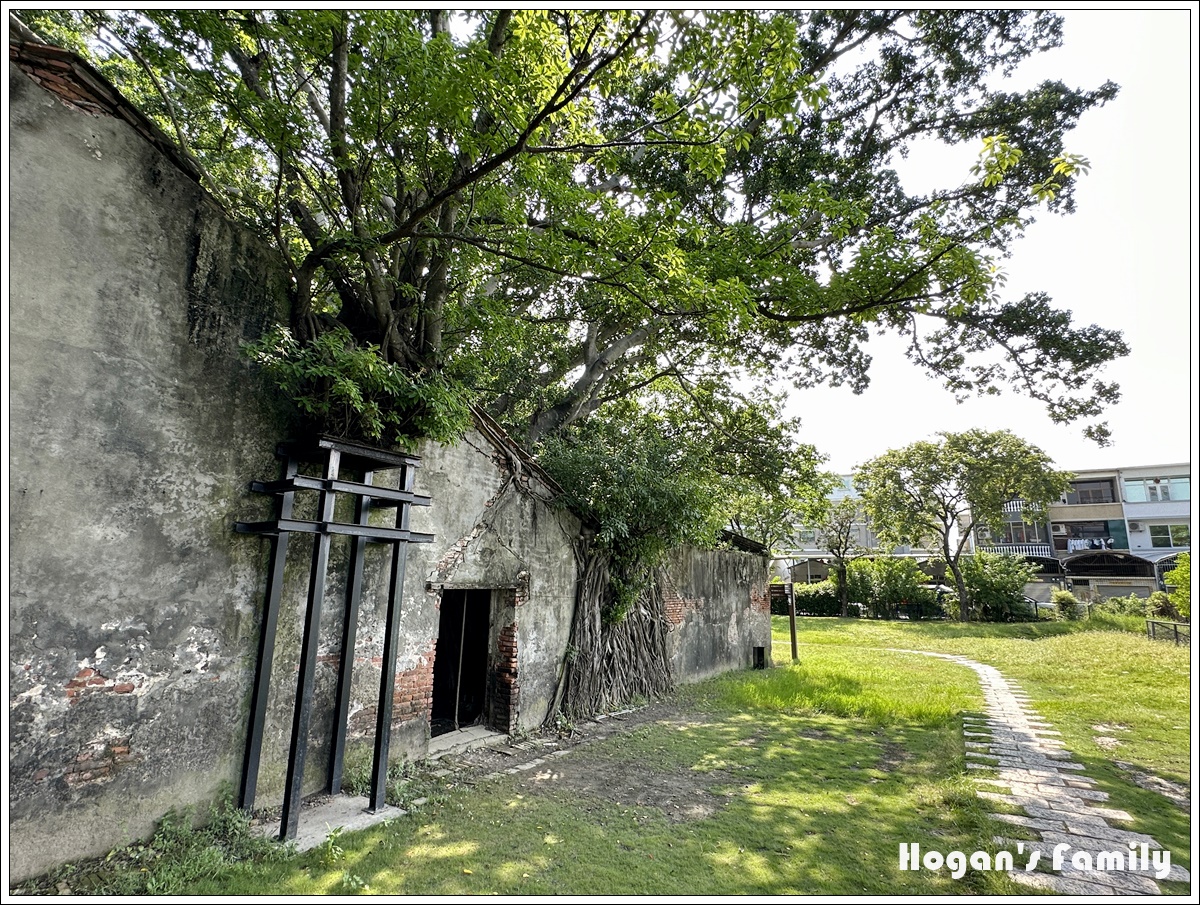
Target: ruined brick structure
<point>136,427</point>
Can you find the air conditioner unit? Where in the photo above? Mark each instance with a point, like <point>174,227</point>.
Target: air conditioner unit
<point>1059,529</point>
<point>1135,526</point>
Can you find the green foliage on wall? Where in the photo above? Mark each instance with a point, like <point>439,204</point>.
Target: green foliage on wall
<point>345,389</point>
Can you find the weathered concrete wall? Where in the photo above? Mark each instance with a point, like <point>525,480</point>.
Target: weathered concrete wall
<point>136,426</point>
<point>496,531</point>
<point>718,610</point>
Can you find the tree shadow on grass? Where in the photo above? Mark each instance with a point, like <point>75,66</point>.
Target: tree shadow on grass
<point>796,801</point>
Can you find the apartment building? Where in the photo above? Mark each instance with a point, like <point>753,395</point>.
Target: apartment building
<point>1114,532</point>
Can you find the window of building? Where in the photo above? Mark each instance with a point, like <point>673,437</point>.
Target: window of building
<point>1074,536</point>
<point>1090,492</point>
<point>1170,536</point>
<point>1021,533</point>
<point>1157,490</point>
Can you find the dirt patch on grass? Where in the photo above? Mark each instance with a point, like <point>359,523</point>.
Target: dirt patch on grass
<point>537,762</point>
<point>892,757</point>
<point>1180,796</point>
<point>681,795</point>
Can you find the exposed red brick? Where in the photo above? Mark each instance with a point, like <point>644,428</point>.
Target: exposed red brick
<point>677,607</point>
<point>123,687</point>
<point>505,689</point>
<point>98,773</point>
<point>412,696</point>
<point>760,599</point>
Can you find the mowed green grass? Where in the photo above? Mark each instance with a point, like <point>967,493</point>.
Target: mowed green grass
<point>810,775</point>
<point>1078,674</point>
<point>815,773</point>
<point>1097,681</point>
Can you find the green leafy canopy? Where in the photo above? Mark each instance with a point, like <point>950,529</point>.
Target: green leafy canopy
<point>939,491</point>
<point>570,216</point>
<point>559,208</point>
<point>650,477</point>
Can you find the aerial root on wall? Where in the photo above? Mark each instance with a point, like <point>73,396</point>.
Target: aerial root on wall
<point>611,665</point>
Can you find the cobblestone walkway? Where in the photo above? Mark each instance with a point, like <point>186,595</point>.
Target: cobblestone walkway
<point>1060,802</point>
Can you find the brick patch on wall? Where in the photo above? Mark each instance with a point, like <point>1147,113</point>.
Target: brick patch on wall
<point>89,680</point>
<point>760,599</point>
<point>98,763</point>
<point>506,691</point>
<point>412,695</point>
<point>677,607</point>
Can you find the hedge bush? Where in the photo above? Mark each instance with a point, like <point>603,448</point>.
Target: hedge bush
<point>818,599</point>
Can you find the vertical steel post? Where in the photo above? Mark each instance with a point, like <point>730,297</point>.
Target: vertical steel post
<point>362,514</point>
<point>266,645</point>
<point>792,620</point>
<point>388,669</point>
<point>387,677</point>
<point>290,822</point>
<point>462,642</point>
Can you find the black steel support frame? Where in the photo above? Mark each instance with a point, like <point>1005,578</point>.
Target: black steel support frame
<point>358,549</point>
<point>266,645</point>
<point>387,675</point>
<point>367,497</point>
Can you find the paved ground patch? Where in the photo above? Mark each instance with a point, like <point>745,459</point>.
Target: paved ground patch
<point>1035,774</point>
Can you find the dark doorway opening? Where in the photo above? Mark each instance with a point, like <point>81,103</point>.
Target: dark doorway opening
<point>461,666</point>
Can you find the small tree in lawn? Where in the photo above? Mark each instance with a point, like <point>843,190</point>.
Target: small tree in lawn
<point>835,531</point>
<point>1179,580</point>
<point>940,492</point>
<point>997,582</point>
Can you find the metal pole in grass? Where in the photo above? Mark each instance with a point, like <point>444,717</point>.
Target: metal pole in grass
<point>792,619</point>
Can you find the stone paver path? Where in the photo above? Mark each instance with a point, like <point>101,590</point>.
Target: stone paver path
<point>1060,802</point>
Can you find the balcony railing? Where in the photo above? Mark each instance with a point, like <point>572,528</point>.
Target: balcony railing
<point>1014,506</point>
<point>1019,549</point>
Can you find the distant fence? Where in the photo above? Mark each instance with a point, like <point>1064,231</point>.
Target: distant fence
<point>1179,632</point>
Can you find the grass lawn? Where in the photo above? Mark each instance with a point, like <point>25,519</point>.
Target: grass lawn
<point>802,779</point>
<point>1114,695</point>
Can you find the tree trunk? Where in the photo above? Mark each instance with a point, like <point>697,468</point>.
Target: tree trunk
<point>964,603</point>
<point>843,590</point>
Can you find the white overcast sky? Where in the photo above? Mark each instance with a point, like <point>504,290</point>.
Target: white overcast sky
<point>1126,259</point>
